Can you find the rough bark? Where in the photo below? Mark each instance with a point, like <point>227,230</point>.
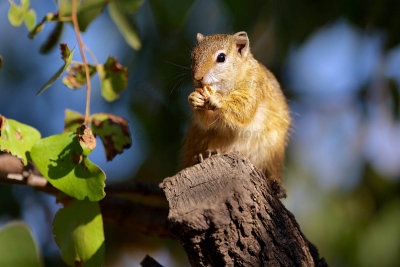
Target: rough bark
<point>225,213</point>
<point>143,218</point>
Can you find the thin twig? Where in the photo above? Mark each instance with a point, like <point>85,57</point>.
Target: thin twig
<point>130,212</point>
<point>146,219</point>
<point>81,45</point>
<point>13,172</point>
<point>75,62</point>
<point>64,19</point>
<point>92,55</point>
<point>140,188</point>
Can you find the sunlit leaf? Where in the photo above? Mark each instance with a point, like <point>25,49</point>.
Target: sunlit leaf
<point>30,19</point>
<point>18,14</point>
<point>65,8</point>
<point>114,78</point>
<point>66,55</point>
<point>17,247</point>
<point>24,5</point>
<point>15,15</point>
<point>77,76</point>
<point>78,230</point>
<point>60,159</point>
<point>87,11</point>
<point>73,120</point>
<point>17,138</point>
<point>125,25</point>
<point>38,28</point>
<point>113,132</point>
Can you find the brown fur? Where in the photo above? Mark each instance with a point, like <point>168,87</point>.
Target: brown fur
<point>247,113</point>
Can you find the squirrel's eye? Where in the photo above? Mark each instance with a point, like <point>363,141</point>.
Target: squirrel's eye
<point>221,58</point>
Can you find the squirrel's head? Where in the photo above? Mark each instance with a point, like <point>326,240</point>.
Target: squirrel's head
<point>218,59</point>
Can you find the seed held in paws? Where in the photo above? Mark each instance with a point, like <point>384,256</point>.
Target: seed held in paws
<point>208,90</point>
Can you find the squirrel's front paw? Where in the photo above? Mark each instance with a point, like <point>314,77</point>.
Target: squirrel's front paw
<point>214,102</point>
<point>197,99</point>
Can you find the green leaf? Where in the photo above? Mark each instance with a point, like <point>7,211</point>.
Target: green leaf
<point>130,5</point>
<point>113,132</point>
<point>66,55</point>
<point>15,15</point>
<point>77,76</point>
<point>125,25</point>
<point>52,39</point>
<point>60,159</point>
<point>87,11</point>
<point>38,28</point>
<point>78,230</point>
<point>17,138</point>
<point>24,5</point>
<point>30,19</point>
<point>114,79</point>
<point>17,247</point>
<point>18,14</point>
<point>73,120</point>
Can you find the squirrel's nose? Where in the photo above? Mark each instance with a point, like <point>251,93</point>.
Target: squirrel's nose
<point>198,77</point>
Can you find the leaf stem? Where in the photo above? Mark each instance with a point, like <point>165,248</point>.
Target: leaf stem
<point>64,19</point>
<point>85,65</point>
<point>75,62</point>
<point>92,55</point>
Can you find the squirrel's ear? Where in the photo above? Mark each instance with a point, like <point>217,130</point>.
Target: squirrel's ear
<point>199,37</point>
<point>242,43</point>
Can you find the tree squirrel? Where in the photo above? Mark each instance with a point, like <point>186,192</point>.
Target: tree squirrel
<point>238,105</point>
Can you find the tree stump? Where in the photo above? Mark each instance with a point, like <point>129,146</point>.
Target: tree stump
<point>225,213</point>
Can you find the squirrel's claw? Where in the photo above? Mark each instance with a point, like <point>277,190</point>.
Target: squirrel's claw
<point>196,99</point>
<point>199,158</point>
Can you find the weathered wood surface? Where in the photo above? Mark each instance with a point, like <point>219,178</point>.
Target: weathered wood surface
<point>225,213</point>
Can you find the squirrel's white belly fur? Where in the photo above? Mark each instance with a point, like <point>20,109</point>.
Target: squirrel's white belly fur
<point>252,140</point>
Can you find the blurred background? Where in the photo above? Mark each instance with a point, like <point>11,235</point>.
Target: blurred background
<point>338,63</point>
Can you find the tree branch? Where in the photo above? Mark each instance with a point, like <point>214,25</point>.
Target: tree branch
<point>12,171</point>
<point>225,213</point>
<point>146,219</point>
<point>134,215</point>
<point>74,17</point>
